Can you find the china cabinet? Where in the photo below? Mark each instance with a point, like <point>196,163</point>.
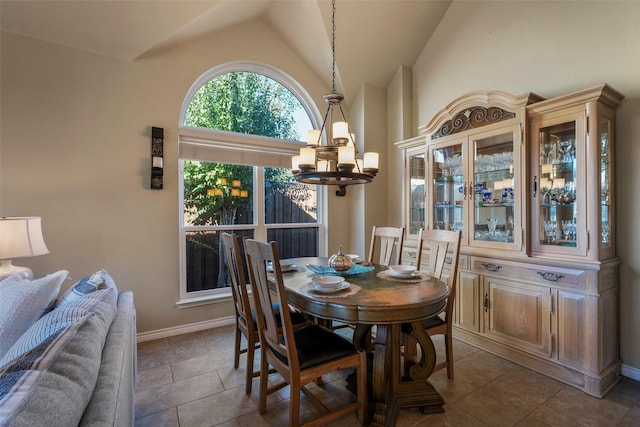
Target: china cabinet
<point>530,184</point>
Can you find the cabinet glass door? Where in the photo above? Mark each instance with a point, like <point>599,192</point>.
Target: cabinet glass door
<point>605,175</point>
<point>559,221</point>
<point>417,194</point>
<point>494,189</point>
<point>449,188</point>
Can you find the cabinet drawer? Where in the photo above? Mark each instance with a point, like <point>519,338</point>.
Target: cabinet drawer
<point>549,276</point>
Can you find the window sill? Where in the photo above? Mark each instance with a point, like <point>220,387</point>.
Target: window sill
<point>204,300</point>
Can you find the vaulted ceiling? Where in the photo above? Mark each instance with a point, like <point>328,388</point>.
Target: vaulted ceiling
<point>373,37</point>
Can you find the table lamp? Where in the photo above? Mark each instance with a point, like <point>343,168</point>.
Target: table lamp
<point>20,237</point>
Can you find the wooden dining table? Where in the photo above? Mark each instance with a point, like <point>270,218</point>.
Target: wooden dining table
<point>396,307</point>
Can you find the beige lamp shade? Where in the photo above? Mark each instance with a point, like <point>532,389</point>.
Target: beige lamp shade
<point>20,237</point>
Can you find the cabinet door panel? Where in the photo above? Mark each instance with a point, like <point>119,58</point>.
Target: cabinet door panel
<point>468,301</point>
<point>518,315</point>
<point>572,321</point>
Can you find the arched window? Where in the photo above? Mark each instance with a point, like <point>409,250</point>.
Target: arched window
<point>240,125</point>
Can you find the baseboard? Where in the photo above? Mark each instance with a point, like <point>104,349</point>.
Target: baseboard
<point>185,329</point>
<point>630,372</point>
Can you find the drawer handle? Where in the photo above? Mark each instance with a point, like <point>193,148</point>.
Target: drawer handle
<point>552,277</point>
<point>492,267</point>
<point>448,260</point>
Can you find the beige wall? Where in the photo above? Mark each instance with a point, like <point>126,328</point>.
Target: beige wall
<point>550,48</point>
<point>75,150</point>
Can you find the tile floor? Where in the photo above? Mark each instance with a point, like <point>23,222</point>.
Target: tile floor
<point>189,381</point>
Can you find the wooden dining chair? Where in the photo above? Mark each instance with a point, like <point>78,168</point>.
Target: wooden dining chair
<point>444,248</point>
<point>246,320</point>
<point>299,355</point>
<point>388,242</point>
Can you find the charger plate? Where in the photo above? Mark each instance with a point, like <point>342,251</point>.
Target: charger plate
<point>309,290</point>
<point>421,277</point>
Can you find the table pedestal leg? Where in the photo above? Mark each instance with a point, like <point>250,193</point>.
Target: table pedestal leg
<point>391,390</point>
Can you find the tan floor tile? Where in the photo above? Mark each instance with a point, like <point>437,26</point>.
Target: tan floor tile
<point>207,362</point>
<point>151,346</point>
<point>531,421</point>
<point>232,378</point>
<point>451,390</point>
<point>626,392</point>
<point>490,409</point>
<point>217,408</point>
<point>480,368</point>
<point>166,418</point>
<point>573,407</point>
<point>525,382</point>
<point>154,377</point>
<point>231,423</point>
<point>452,416</point>
<point>156,399</point>
<point>172,354</point>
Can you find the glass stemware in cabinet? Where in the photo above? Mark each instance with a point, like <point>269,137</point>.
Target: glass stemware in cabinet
<point>449,190</point>
<point>417,193</point>
<point>493,188</point>
<point>604,183</point>
<point>557,185</point>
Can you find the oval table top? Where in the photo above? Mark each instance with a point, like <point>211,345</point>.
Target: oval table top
<point>379,301</point>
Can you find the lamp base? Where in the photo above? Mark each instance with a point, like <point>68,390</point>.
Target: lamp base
<point>7,269</point>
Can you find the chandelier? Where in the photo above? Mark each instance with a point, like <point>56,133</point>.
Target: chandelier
<point>336,162</point>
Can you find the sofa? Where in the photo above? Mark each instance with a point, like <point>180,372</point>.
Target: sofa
<point>67,358</point>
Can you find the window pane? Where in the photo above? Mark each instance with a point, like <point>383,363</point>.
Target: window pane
<point>287,201</point>
<point>217,193</point>
<point>250,103</point>
<point>206,266</point>
<point>295,242</point>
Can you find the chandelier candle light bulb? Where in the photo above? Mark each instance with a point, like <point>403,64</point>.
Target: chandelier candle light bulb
<point>307,159</point>
<point>313,137</point>
<point>341,132</point>
<point>371,161</point>
<point>346,156</point>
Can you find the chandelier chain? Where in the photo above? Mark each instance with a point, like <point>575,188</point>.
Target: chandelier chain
<point>333,47</point>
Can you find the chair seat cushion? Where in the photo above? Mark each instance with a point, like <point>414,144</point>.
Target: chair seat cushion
<point>316,345</point>
<point>433,321</point>
<point>296,317</point>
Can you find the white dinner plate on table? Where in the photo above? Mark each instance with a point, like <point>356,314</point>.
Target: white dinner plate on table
<point>355,258</point>
<point>283,268</point>
<point>403,274</point>
<point>330,290</point>
<point>327,281</point>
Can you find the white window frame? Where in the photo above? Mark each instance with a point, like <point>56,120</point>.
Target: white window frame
<point>230,147</point>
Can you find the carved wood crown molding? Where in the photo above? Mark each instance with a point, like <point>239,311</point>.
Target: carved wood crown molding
<point>477,109</point>
<point>472,118</point>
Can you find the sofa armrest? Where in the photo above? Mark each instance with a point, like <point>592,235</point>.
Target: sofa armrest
<point>113,400</point>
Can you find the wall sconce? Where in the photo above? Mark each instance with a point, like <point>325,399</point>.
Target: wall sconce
<point>157,157</point>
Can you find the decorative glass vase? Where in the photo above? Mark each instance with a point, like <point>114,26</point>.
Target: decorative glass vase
<point>340,261</point>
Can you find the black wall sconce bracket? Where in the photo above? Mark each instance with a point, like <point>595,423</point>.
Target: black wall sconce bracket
<point>157,159</point>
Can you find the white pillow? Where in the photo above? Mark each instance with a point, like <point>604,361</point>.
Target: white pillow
<point>24,302</point>
<point>86,285</point>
